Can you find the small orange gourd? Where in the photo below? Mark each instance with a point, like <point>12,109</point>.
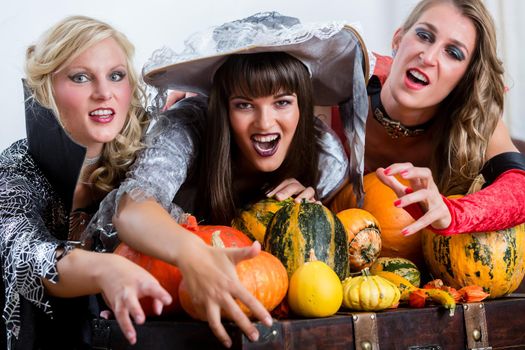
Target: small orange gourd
<point>364,237</point>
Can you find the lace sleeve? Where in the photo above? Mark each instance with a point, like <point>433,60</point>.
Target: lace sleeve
<point>333,162</point>
<point>27,245</point>
<point>159,170</point>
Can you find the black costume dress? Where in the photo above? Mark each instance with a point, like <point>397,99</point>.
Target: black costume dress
<point>38,176</point>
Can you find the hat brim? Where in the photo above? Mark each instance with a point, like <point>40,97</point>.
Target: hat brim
<point>329,60</point>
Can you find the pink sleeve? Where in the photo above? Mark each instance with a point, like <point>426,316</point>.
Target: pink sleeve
<point>499,206</point>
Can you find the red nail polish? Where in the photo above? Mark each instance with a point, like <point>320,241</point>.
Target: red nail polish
<point>404,232</point>
<point>397,202</point>
<point>409,190</point>
<point>386,171</point>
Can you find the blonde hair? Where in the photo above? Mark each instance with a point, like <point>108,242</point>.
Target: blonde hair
<point>59,46</point>
<point>470,113</point>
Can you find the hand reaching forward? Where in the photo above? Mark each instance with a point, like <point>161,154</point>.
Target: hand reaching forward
<point>210,276</point>
<point>291,187</point>
<point>123,283</point>
<point>422,191</point>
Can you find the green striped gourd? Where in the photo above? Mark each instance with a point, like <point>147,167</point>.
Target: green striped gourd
<point>255,218</point>
<point>297,228</point>
<point>400,266</point>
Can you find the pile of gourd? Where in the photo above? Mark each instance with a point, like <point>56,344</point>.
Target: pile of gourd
<point>315,262</point>
<point>320,250</point>
<point>494,261</point>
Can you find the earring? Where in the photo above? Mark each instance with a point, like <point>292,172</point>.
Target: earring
<point>394,51</point>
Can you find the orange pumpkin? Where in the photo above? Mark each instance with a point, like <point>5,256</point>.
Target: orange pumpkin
<point>364,237</point>
<point>229,236</point>
<point>169,275</point>
<point>379,201</point>
<point>263,276</point>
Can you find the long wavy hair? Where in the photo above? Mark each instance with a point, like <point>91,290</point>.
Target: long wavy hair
<point>469,114</point>
<point>253,75</point>
<point>59,46</point>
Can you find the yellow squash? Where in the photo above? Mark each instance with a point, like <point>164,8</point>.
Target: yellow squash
<point>315,290</point>
<point>369,293</point>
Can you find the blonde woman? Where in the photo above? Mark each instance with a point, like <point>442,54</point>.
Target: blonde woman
<point>84,122</point>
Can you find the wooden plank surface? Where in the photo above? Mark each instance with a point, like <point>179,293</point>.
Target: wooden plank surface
<point>429,328</point>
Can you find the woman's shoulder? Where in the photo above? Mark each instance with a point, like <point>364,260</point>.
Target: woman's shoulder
<point>188,110</point>
<point>16,163</point>
<point>381,68</point>
<point>15,155</point>
<point>187,116</point>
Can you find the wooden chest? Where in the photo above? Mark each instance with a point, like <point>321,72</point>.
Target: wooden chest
<point>494,324</point>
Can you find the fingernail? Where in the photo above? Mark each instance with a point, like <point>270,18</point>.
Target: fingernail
<point>268,321</point>
<point>404,173</point>
<point>131,338</point>
<point>254,336</point>
<point>397,202</point>
<point>409,190</point>
<point>227,343</point>
<point>405,232</point>
<point>386,171</point>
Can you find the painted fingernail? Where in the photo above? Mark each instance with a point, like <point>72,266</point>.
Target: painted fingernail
<point>405,232</point>
<point>404,173</point>
<point>397,202</point>
<point>386,171</point>
<point>409,190</point>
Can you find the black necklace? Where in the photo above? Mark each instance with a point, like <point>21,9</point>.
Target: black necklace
<point>393,128</point>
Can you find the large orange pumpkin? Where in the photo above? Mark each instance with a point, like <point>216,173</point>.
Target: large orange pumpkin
<point>169,275</point>
<point>492,260</point>
<point>263,276</point>
<point>364,237</point>
<point>379,201</point>
<point>229,236</point>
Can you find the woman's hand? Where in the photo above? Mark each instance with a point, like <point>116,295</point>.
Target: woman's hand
<point>290,188</point>
<point>422,191</point>
<point>123,283</point>
<point>211,279</point>
<point>175,96</point>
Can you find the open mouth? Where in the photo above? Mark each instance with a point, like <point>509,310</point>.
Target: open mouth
<point>266,145</point>
<point>102,115</point>
<point>417,77</point>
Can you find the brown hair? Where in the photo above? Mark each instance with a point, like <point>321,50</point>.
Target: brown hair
<point>469,114</point>
<point>253,75</point>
